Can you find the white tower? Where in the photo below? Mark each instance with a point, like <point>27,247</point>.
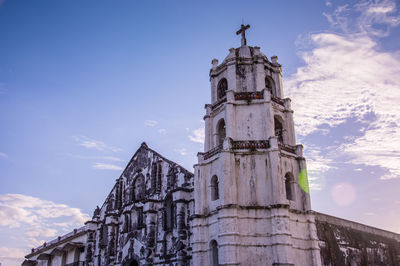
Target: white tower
<point>252,205</point>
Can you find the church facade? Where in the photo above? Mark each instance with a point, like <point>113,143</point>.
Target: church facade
<point>247,202</point>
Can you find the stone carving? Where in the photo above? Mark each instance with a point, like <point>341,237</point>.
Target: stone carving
<point>110,203</point>
<point>222,88</point>
<point>153,177</point>
<point>171,177</point>
<point>89,253</point>
<point>96,212</point>
<point>128,195</point>
<point>139,187</point>
<point>187,180</point>
<point>111,245</point>
<point>159,176</point>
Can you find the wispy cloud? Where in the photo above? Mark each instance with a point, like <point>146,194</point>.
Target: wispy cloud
<point>105,158</point>
<point>3,155</point>
<point>106,166</point>
<point>347,75</point>
<point>150,123</point>
<point>162,131</point>
<point>36,220</point>
<point>197,135</point>
<point>317,165</point>
<point>182,151</point>
<point>11,256</point>
<point>94,144</point>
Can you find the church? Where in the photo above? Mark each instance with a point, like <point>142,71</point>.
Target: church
<point>246,202</point>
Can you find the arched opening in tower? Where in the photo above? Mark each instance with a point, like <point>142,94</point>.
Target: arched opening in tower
<point>214,188</point>
<point>278,129</point>
<point>289,186</point>
<point>214,253</point>
<point>221,132</point>
<point>269,84</point>
<point>222,88</point>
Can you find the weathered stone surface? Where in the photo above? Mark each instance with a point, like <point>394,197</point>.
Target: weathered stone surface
<point>344,242</point>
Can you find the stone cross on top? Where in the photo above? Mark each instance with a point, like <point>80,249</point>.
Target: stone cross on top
<point>242,31</point>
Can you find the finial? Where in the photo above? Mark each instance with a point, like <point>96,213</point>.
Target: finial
<point>242,31</point>
<point>214,63</point>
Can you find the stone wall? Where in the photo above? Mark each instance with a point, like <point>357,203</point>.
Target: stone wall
<point>344,242</point>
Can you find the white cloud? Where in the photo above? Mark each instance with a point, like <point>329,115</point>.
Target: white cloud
<point>347,75</point>
<point>42,232</point>
<point>317,165</point>
<point>106,166</point>
<point>11,256</point>
<point>106,158</point>
<point>94,144</point>
<point>2,154</point>
<point>366,17</point>
<point>17,210</point>
<point>150,123</point>
<point>182,151</point>
<point>197,135</point>
<point>162,131</point>
<point>35,221</point>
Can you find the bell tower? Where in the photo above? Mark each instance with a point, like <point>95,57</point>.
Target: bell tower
<point>252,205</point>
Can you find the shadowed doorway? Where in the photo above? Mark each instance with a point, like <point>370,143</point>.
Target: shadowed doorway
<point>133,263</point>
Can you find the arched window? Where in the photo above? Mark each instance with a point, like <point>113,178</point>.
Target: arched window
<point>140,219</point>
<point>221,132</point>
<point>214,253</point>
<point>289,186</point>
<point>214,188</point>
<point>169,213</point>
<point>159,176</point>
<point>103,238</point>
<point>153,177</point>
<point>139,187</point>
<point>270,85</point>
<point>126,228</point>
<point>221,88</point>
<point>278,128</point>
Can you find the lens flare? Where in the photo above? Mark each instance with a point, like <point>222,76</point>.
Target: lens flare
<point>303,181</point>
<point>343,193</point>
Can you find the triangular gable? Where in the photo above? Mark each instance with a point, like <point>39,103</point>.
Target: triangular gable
<point>56,252</point>
<point>72,245</point>
<point>43,256</point>
<point>29,263</point>
<point>138,161</point>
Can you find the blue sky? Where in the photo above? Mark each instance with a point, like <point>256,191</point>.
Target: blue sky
<point>83,83</point>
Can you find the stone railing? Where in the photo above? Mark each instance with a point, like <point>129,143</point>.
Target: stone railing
<point>219,102</point>
<point>288,148</point>
<point>278,100</point>
<point>252,95</point>
<point>212,152</point>
<point>60,238</point>
<point>250,144</point>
